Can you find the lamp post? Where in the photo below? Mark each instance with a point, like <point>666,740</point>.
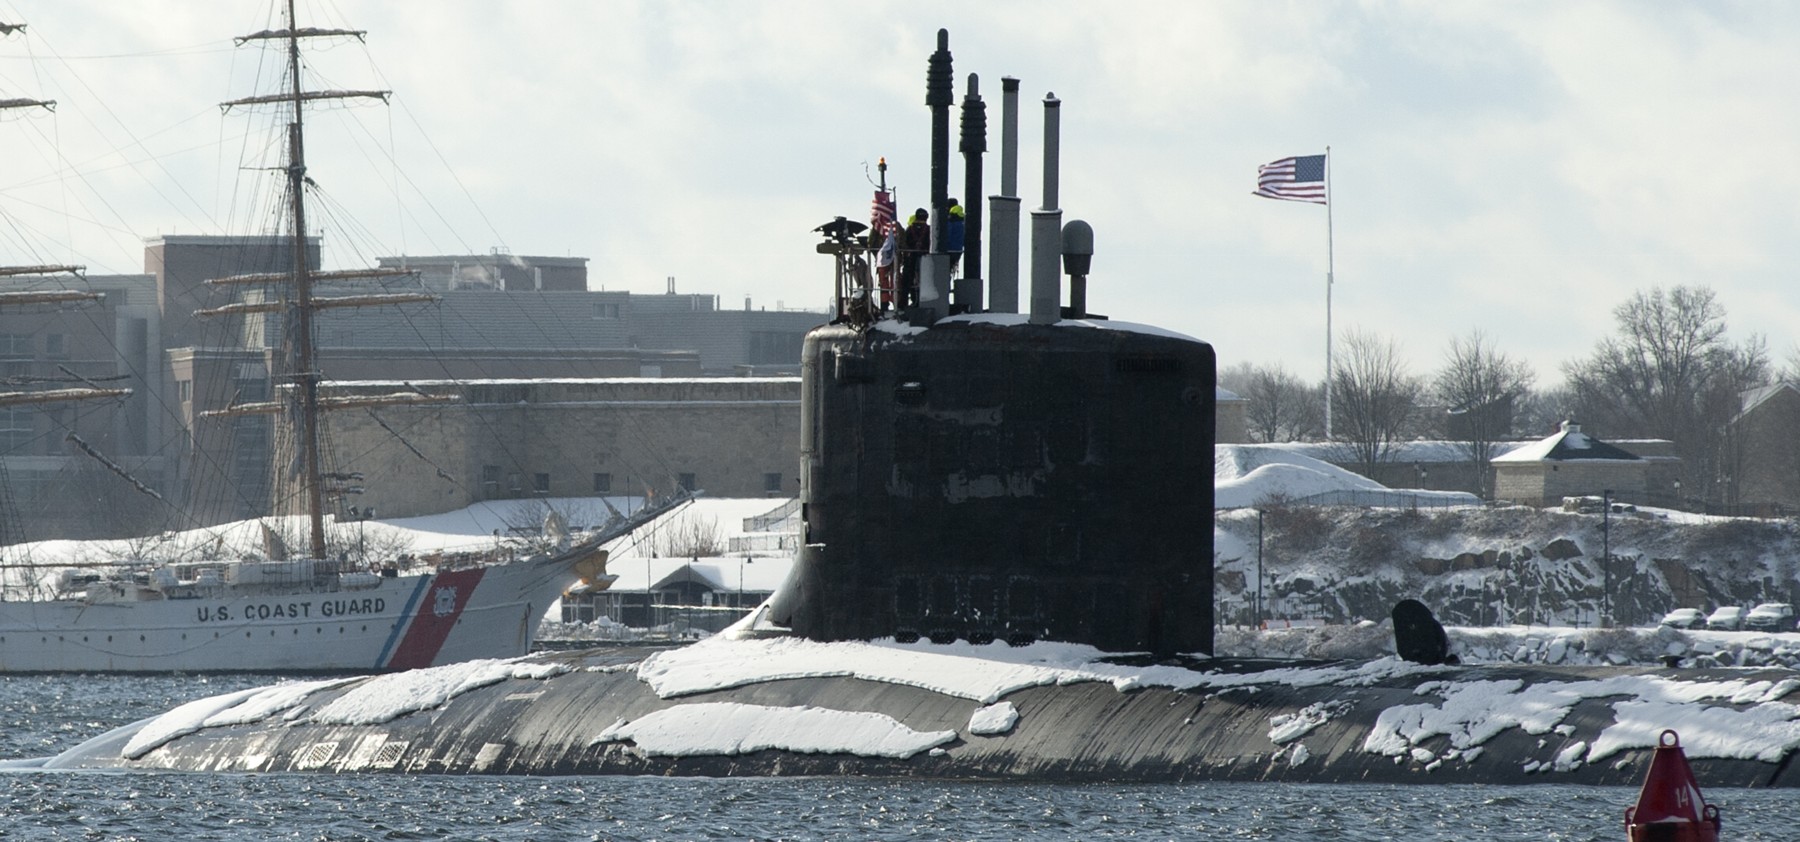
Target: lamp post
<point>1606,618</point>
<point>740,593</point>
<point>1259,569</point>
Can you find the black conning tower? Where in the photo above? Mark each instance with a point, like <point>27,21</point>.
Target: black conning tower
<point>984,477</point>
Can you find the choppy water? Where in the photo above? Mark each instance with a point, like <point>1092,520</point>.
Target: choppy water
<point>40,715</point>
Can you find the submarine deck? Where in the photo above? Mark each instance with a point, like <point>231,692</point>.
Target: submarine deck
<point>1043,712</point>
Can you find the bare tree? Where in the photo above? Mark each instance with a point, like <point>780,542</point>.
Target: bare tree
<point>1374,398</point>
<point>690,536</point>
<point>1480,387</point>
<point>1540,411</point>
<point>1278,406</point>
<point>1790,371</point>
<point>1670,372</point>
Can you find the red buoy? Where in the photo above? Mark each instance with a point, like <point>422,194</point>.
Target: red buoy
<point>1670,807</point>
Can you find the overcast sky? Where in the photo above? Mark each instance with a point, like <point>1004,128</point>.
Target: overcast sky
<point>1520,168</point>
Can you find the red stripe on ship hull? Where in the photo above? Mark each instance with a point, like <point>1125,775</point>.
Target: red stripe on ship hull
<point>438,612</point>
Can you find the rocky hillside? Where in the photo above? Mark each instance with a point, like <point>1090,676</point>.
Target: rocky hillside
<point>1497,566</point>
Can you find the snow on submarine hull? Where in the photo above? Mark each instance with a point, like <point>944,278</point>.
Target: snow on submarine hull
<point>1046,712</point>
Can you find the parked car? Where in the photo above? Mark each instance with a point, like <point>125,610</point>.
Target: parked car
<point>1770,616</point>
<point>1684,618</point>
<point>1726,618</point>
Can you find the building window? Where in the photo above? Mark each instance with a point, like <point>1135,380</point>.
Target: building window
<point>490,481</point>
<point>604,310</point>
<point>512,483</point>
<point>603,483</point>
<point>184,390</point>
<point>686,481</point>
<point>56,346</point>
<point>15,346</point>
<point>772,483</point>
<point>16,426</point>
<point>540,483</point>
<point>59,425</point>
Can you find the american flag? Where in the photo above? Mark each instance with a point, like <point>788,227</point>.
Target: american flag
<point>1299,179</point>
<point>881,213</point>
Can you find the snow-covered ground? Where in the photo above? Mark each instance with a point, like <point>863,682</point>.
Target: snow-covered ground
<point>1497,565</point>
<point>1255,475</point>
<point>648,554</point>
<point>1526,645</point>
<point>477,527</point>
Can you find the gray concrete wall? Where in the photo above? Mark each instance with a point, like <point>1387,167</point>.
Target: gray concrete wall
<point>1546,483</point>
<point>520,439</point>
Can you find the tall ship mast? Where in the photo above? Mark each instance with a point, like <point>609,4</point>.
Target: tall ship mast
<point>302,407</point>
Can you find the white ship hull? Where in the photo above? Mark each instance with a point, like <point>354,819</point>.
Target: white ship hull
<point>397,623</point>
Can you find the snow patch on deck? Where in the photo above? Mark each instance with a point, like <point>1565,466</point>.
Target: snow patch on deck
<point>1473,712</point>
<point>714,729</point>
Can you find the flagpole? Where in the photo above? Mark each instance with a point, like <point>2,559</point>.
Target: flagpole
<point>1281,179</point>
<point>1329,267</point>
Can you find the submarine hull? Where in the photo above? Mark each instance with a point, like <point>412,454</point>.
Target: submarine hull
<point>988,479</point>
<point>1080,731</point>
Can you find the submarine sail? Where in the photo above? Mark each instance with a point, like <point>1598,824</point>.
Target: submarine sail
<point>980,476</point>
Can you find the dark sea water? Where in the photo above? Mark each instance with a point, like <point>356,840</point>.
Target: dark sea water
<point>41,715</point>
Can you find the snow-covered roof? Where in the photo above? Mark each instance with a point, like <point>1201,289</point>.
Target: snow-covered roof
<point>759,575</point>
<point>1752,398</point>
<point>1222,394</point>
<point>1246,475</point>
<point>1569,444</point>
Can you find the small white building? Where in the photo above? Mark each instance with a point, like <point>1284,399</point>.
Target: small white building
<point>1569,463</point>
<point>703,594</point>
<point>1230,424</point>
<point>701,571</point>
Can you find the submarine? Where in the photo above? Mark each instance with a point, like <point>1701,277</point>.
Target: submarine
<point>1006,575</point>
